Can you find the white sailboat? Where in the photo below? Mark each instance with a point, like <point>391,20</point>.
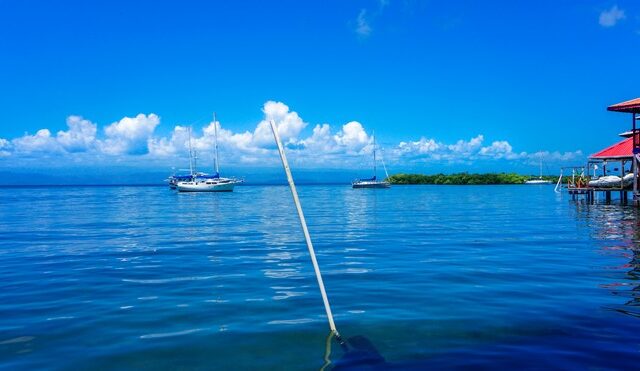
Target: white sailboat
<point>201,182</point>
<point>373,182</point>
<point>539,180</point>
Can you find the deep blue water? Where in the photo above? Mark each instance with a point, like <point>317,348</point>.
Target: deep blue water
<point>433,276</point>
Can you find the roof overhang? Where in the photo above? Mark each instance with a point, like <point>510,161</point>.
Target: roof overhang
<point>618,151</point>
<point>612,158</point>
<point>630,106</point>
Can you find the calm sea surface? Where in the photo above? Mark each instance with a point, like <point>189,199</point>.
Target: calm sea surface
<point>433,276</point>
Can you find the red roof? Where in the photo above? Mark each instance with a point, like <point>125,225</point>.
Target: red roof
<point>631,106</point>
<point>623,149</point>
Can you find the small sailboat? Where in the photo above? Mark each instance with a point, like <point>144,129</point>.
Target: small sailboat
<point>373,182</point>
<point>201,182</point>
<point>539,180</point>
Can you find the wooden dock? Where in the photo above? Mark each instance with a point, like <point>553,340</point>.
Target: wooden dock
<point>590,194</point>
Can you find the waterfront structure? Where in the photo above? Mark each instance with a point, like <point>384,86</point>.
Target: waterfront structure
<point>623,158</point>
<point>632,107</point>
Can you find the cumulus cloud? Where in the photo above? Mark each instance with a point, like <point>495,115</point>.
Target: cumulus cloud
<point>248,145</point>
<point>289,125</point>
<point>499,149</point>
<point>343,146</point>
<point>353,138</point>
<point>609,18</point>
<point>80,137</point>
<point>430,149</point>
<point>163,147</point>
<point>130,135</point>
<point>5,146</point>
<point>556,156</point>
<point>40,142</point>
<point>465,151</point>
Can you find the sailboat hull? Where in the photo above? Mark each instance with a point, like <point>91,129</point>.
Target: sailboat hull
<point>371,184</point>
<point>206,186</point>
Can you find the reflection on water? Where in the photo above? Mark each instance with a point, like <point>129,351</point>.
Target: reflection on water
<point>437,277</point>
<point>618,227</point>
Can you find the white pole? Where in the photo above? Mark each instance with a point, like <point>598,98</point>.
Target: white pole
<point>190,155</point>
<point>373,134</point>
<point>215,130</point>
<point>541,166</point>
<point>559,184</point>
<point>384,166</point>
<point>303,223</point>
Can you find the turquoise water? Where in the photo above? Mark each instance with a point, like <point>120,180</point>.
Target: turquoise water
<point>433,276</point>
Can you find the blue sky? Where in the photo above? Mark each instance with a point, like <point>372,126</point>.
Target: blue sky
<point>447,86</point>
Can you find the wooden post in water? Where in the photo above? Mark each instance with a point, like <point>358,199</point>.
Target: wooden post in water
<point>634,160</point>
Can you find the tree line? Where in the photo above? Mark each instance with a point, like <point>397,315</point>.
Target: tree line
<point>464,178</point>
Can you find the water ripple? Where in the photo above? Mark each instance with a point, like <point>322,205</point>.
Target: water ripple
<point>435,277</point>
<point>170,334</point>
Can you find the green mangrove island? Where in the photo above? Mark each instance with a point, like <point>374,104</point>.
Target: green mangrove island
<point>465,178</point>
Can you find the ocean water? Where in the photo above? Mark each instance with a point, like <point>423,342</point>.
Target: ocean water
<point>433,277</point>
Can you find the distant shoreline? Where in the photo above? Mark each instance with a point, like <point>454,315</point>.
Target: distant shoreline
<point>152,185</point>
<point>464,179</point>
<point>396,180</point>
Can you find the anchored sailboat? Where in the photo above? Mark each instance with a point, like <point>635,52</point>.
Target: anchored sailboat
<point>201,182</point>
<point>373,182</point>
<point>539,180</point>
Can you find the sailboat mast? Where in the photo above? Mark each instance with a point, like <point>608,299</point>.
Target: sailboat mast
<point>190,154</point>
<point>195,162</point>
<point>215,130</point>
<point>374,154</point>
<point>540,166</point>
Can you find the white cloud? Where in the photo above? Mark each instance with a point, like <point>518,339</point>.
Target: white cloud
<point>534,158</point>
<point>421,146</point>
<point>467,151</point>
<point>426,150</point>
<point>163,147</point>
<point>80,137</point>
<point>41,142</point>
<point>467,148</point>
<point>352,137</point>
<point>351,140</point>
<point>499,149</point>
<point>363,29</point>
<point>346,146</point>
<point>5,146</point>
<point>130,135</point>
<point>321,140</point>
<point>609,18</point>
<point>247,144</point>
<point>289,125</point>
